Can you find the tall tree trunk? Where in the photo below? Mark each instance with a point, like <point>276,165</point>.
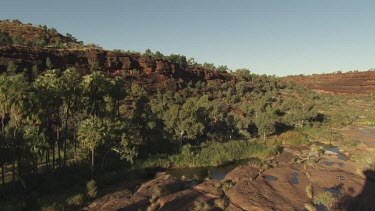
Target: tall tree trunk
<point>75,140</point>
<point>19,160</point>
<point>58,145</point>
<point>92,163</point>
<point>2,164</point>
<point>14,158</point>
<point>66,133</point>
<point>46,158</point>
<point>2,174</point>
<point>36,170</point>
<point>118,109</point>
<point>53,155</point>
<point>13,172</point>
<point>264,135</point>
<point>64,151</point>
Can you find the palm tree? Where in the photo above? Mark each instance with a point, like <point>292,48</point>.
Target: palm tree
<point>71,92</point>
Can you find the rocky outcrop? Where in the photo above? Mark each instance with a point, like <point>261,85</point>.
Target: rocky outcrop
<point>152,73</point>
<point>82,60</point>
<point>164,192</point>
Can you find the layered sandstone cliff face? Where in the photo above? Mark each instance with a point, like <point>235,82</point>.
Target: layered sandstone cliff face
<point>152,73</point>
<point>351,83</point>
<point>82,60</point>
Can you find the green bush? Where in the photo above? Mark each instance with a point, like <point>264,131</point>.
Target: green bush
<point>293,138</point>
<point>91,189</point>
<point>327,199</point>
<point>198,206</point>
<point>221,203</point>
<point>76,200</point>
<point>210,154</point>
<point>55,207</point>
<point>227,185</point>
<point>216,153</point>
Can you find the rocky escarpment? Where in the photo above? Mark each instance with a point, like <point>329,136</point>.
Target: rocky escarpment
<point>151,72</point>
<point>351,83</point>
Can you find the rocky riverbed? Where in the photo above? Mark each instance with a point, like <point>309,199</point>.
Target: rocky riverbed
<point>308,177</point>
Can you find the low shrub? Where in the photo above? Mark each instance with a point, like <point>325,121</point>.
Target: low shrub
<point>293,138</point>
<point>327,199</point>
<point>227,185</point>
<point>216,153</point>
<point>222,203</point>
<point>199,206</point>
<point>76,200</point>
<point>210,154</point>
<point>91,189</point>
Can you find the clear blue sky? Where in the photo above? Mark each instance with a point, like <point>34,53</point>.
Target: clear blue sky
<point>278,37</point>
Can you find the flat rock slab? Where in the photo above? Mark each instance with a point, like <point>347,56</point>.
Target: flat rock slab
<point>183,200</point>
<point>279,188</point>
<point>266,195</point>
<point>243,173</point>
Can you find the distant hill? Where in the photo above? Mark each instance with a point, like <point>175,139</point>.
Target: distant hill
<point>350,83</point>
<point>16,33</point>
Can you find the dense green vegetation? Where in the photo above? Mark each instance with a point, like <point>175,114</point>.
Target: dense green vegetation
<point>59,120</point>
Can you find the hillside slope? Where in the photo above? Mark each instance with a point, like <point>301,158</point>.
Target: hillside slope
<point>351,83</point>
<point>16,33</point>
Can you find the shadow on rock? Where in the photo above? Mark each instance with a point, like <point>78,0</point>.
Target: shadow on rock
<point>365,201</point>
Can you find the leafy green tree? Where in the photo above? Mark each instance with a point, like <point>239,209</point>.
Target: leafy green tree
<point>5,38</point>
<point>148,54</point>
<point>94,89</point>
<point>119,140</point>
<point>222,68</point>
<point>94,66</point>
<point>36,144</point>
<point>14,89</point>
<point>17,39</point>
<point>90,136</point>
<point>49,63</point>
<point>266,121</point>
<point>158,55</point>
<point>265,116</point>
<point>243,74</point>
<point>186,122</point>
<point>299,109</point>
<point>12,68</point>
<point>71,98</point>
<point>49,97</point>
<point>35,71</point>
<point>117,93</point>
